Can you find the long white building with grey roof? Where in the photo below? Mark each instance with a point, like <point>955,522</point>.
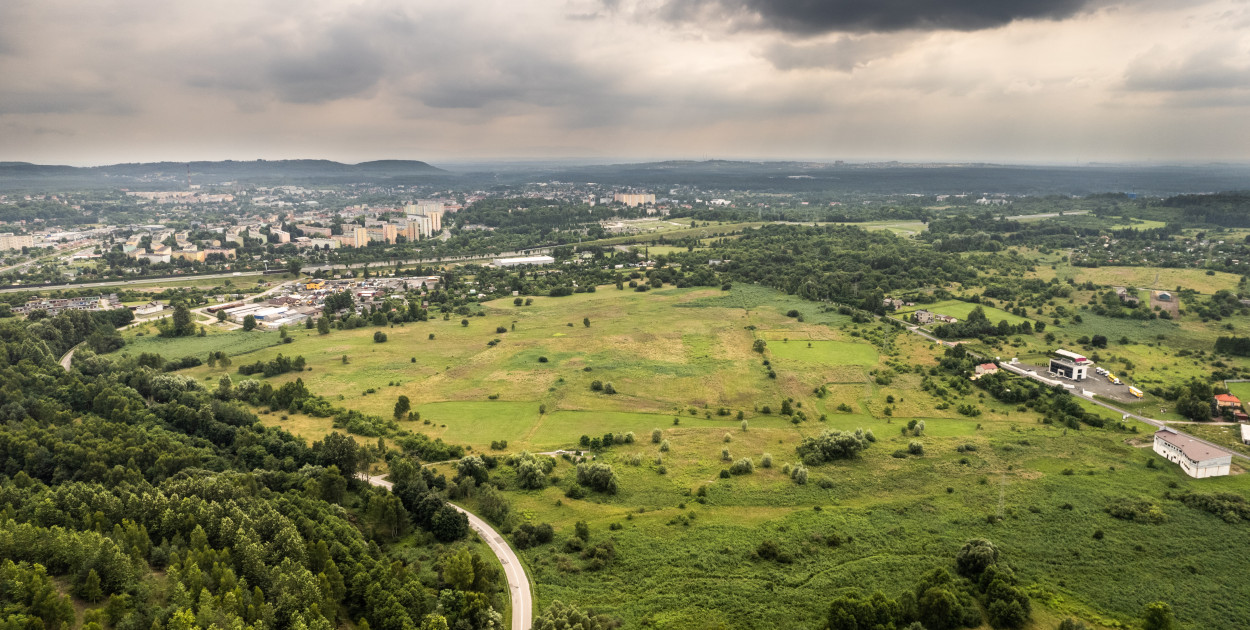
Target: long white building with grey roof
<point>1196,458</point>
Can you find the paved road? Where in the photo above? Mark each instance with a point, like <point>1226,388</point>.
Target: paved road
<point>68,359</point>
<point>118,283</point>
<point>513,570</point>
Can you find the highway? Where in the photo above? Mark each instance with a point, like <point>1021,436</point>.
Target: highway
<point>514,571</point>
<point>307,269</point>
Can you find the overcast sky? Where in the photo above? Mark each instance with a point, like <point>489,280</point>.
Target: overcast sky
<point>1070,81</point>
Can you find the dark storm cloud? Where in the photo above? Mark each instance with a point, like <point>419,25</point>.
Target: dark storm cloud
<point>814,17</point>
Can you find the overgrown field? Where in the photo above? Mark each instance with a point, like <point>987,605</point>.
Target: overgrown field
<point>960,310</point>
<point>145,339</point>
<point>685,536</point>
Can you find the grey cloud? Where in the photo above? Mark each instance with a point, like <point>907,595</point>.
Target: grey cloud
<point>813,17</point>
<point>1208,69</point>
<point>509,76</point>
<point>61,101</point>
<point>843,54</point>
<point>342,65</point>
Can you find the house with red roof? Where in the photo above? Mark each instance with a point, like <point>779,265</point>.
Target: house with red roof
<point>986,368</point>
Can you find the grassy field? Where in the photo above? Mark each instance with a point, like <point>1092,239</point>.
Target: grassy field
<point>959,309</point>
<point>901,228</point>
<point>144,339</point>
<point>1240,390</point>
<point>1144,277</point>
<point>677,357</point>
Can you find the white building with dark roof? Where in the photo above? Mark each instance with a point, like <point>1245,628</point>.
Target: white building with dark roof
<point>1196,458</point>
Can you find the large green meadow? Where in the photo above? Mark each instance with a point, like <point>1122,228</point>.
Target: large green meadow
<point>682,361</point>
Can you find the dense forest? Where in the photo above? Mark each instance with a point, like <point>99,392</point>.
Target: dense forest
<point>172,506</point>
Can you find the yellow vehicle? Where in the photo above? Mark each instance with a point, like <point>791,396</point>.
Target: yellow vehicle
<point>1134,391</point>
<point>1111,377</point>
<point>315,285</point>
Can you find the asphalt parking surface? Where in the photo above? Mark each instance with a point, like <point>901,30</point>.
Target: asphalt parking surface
<point>1095,383</point>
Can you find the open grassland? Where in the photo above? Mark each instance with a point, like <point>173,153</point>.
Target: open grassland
<point>677,357</point>
<point>1144,277</point>
<point>901,228</point>
<point>959,309</point>
<point>682,563</point>
<point>664,352</point>
<point>145,339</point>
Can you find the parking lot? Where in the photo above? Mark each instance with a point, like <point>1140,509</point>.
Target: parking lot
<point>1095,383</point>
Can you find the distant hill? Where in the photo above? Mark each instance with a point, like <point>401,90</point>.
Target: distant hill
<point>24,175</point>
<point>900,177</point>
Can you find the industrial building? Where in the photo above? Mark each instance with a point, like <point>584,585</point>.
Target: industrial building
<point>1196,458</point>
<point>526,260</point>
<point>1070,365</point>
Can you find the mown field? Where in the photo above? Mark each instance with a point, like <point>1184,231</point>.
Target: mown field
<point>676,358</point>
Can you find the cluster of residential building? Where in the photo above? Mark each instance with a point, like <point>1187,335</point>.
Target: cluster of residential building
<point>54,306</point>
<point>161,253</point>
<point>422,219</point>
<point>927,317</point>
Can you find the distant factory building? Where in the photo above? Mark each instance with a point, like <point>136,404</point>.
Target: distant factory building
<point>526,260</point>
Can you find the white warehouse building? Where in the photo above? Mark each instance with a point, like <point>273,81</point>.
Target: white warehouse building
<point>1197,459</point>
<point>527,260</point>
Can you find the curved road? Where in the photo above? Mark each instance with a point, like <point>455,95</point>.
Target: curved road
<point>513,570</point>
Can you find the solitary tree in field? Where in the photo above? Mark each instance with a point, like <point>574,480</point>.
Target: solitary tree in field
<point>249,323</point>
<point>402,407</point>
<point>1159,617</point>
<point>586,322</point>
<point>323,326</point>
<point>759,345</point>
<point>221,315</point>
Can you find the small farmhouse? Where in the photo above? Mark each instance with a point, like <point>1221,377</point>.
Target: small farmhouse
<point>987,368</point>
<point>1227,400</point>
<point>1195,458</point>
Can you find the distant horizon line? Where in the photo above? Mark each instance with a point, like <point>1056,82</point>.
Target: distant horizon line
<point>608,161</point>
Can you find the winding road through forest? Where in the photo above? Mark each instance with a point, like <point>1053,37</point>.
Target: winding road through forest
<point>513,570</point>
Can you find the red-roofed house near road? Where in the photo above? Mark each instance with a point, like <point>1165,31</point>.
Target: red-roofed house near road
<point>1195,458</point>
<point>1227,400</point>
<point>987,368</point>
